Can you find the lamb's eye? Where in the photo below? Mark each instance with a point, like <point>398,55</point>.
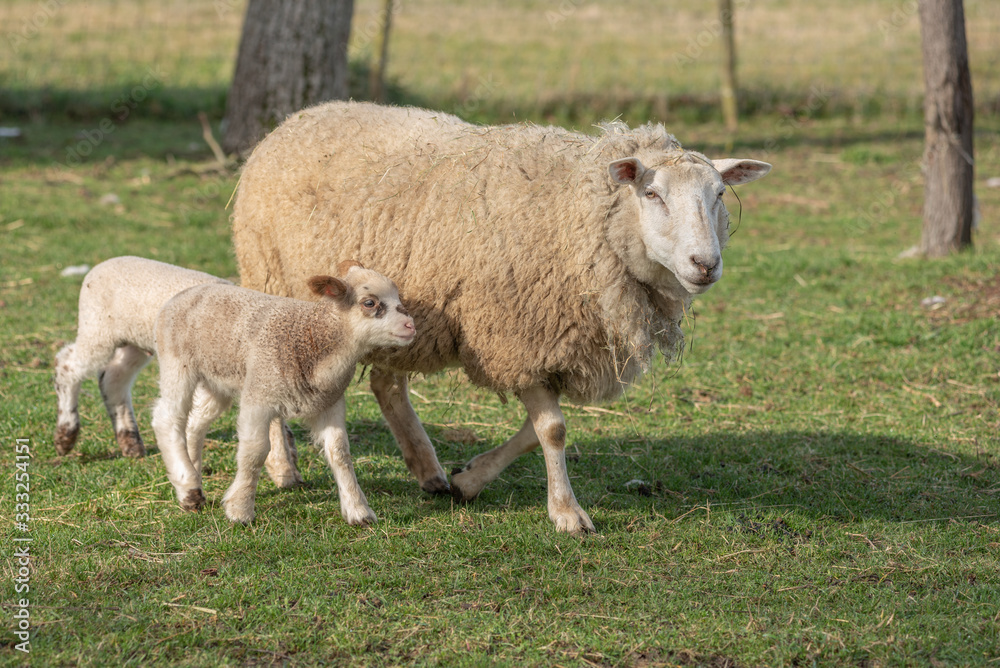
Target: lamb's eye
<point>722,192</point>
<point>368,303</point>
<point>650,194</point>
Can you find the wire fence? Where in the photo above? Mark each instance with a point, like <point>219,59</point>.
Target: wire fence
<point>526,58</point>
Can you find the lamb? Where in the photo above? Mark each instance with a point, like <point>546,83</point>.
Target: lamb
<point>284,358</point>
<point>119,301</point>
<point>545,262</point>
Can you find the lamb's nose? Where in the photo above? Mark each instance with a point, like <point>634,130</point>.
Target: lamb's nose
<point>705,265</point>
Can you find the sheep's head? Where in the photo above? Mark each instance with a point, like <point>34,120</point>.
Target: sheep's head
<point>372,302</point>
<point>682,217</point>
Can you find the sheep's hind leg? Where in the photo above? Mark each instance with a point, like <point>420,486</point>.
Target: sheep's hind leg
<point>252,427</point>
<point>550,426</point>
<point>115,382</point>
<point>330,430</point>
<point>467,482</point>
<point>282,461</point>
<point>390,390</point>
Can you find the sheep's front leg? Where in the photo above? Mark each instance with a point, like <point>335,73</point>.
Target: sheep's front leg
<point>252,427</point>
<point>468,481</point>
<point>391,391</point>
<point>330,430</point>
<point>550,426</point>
<point>116,382</point>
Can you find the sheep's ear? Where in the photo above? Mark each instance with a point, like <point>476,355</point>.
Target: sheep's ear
<point>346,265</point>
<point>626,171</point>
<point>328,286</point>
<point>736,171</point>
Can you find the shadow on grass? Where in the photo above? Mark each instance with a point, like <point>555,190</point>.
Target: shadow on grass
<point>839,474</point>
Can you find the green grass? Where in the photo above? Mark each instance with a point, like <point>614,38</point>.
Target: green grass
<point>816,483</point>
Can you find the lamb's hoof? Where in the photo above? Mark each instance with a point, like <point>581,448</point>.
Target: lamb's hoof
<point>65,438</point>
<point>457,492</point>
<point>436,485</point>
<point>131,444</point>
<point>193,501</point>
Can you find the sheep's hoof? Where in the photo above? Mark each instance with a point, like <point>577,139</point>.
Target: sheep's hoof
<point>66,438</point>
<point>286,480</point>
<point>573,521</point>
<point>193,501</point>
<point>436,485</point>
<point>456,489</point>
<point>131,444</point>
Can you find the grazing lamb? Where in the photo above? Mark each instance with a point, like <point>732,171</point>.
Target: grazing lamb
<point>544,262</point>
<point>284,358</point>
<point>119,301</point>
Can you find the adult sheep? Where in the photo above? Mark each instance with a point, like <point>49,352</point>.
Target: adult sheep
<point>543,261</point>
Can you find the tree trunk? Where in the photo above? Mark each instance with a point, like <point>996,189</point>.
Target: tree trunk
<point>376,78</point>
<point>293,53</point>
<point>728,92</point>
<point>948,162</point>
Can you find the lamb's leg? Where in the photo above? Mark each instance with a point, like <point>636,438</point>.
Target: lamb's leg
<point>170,418</point>
<point>282,461</point>
<point>70,373</point>
<point>75,362</point>
<point>206,407</point>
<point>252,426</point>
<point>390,390</point>
<point>330,429</point>
<point>116,382</point>
<point>468,481</point>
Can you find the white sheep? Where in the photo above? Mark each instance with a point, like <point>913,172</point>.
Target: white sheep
<point>284,358</point>
<point>119,301</point>
<point>544,262</point>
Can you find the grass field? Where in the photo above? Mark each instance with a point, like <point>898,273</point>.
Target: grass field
<point>816,484</point>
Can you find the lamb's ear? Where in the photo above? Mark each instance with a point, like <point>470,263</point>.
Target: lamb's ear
<point>346,265</point>
<point>626,171</point>
<point>328,286</point>
<point>736,171</point>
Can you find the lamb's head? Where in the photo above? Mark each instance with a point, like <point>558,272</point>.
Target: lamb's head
<point>683,222</point>
<point>372,305</point>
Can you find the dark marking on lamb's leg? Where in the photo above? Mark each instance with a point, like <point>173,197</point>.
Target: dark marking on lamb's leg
<point>65,438</point>
<point>391,391</point>
<point>194,500</point>
<point>130,443</point>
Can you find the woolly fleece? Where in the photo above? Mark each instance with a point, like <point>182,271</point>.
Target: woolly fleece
<point>507,242</point>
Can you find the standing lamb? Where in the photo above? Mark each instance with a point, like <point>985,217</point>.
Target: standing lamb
<point>284,358</point>
<point>119,301</point>
<point>544,262</point>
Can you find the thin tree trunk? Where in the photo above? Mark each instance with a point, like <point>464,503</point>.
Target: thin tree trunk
<point>293,53</point>
<point>377,75</point>
<point>948,121</point>
<point>728,92</point>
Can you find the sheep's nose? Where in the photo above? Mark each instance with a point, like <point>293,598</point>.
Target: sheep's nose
<point>705,265</point>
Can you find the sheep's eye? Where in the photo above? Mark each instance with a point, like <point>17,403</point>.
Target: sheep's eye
<point>722,192</point>
<point>650,194</point>
<point>368,303</point>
